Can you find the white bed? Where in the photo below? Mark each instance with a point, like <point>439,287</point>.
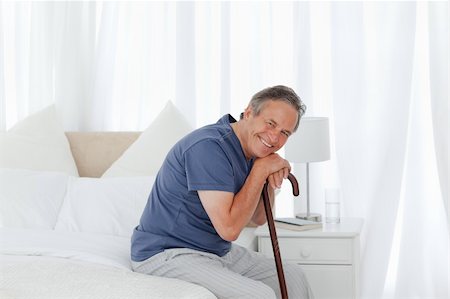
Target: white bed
<point>68,205</point>
<point>48,264</point>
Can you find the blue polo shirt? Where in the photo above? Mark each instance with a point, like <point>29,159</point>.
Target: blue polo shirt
<point>209,158</point>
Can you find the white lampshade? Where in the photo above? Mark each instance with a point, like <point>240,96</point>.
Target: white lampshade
<point>311,142</point>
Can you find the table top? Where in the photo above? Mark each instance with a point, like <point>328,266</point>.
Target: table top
<point>348,227</point>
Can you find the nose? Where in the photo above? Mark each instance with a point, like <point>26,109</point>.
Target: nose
<point>274,136</point>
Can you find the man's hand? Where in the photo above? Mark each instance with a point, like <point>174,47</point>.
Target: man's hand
<point>276,179</point>
<point>276,169</point>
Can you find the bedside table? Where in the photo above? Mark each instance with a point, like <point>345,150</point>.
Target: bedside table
<point>329,256</point>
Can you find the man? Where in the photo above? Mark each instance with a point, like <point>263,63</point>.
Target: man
<point>208,189</point>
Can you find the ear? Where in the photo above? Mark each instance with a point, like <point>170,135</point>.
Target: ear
<point>247,112</point>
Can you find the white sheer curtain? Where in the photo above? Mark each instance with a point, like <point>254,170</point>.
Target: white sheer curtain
<point>378,70</point>
<point>385,144</point>
<point>46,56</point>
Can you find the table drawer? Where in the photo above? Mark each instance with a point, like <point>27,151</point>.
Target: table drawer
<point>311,250</point>
<point>330,281</point>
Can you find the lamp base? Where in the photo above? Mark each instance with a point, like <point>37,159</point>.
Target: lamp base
<point>311,217</point>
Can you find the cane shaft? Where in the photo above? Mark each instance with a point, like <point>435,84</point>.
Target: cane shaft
<point>273,234</point>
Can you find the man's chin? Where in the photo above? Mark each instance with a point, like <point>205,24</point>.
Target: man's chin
<point>263,154</point>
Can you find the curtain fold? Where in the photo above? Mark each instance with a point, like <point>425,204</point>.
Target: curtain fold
<point>185,74</point>
<point>73,60</point>
<point>377,70</point>
<point>97,113</point>
<point>438,56</point>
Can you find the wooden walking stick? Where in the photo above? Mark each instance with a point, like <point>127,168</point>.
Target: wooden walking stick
<point>273,233</point>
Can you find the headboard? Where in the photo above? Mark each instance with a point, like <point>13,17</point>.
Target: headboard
<point>94,152</point>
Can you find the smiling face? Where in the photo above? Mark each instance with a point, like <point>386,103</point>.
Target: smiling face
<point>267,132</point>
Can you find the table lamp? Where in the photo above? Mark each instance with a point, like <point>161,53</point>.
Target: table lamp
<point>311,143</point>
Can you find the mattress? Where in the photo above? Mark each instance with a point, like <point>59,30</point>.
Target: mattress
<point>49,264</point>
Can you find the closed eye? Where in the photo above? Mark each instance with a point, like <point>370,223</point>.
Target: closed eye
<point>286,133</point>
<point>271,124</point>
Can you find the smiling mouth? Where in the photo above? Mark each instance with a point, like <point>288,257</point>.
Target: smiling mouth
<point>265,143</point>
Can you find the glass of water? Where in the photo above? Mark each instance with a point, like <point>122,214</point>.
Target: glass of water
<point>332,205</point>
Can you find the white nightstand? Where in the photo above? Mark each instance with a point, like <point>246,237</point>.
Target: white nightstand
<point>329,256</point>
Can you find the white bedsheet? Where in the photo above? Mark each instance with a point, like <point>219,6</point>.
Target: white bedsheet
<point>97,248</point>
<point>50,264</point>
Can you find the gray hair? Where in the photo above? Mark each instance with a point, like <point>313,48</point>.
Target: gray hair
<point>277,93</point>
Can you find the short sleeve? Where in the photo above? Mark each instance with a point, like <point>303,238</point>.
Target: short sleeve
<point>208,168</point>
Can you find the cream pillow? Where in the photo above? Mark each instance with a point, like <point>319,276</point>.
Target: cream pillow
<point>145,156</point>
<point>37,143</point>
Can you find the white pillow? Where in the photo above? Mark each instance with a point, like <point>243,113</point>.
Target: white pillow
<point>110,206</point>
<point>38,143</point>
<point>145,156</point>
<point>31,199</point>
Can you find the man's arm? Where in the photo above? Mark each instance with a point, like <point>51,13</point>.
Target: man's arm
<point>230,213</point>
<point>275,179</point>
<point>259,216</point>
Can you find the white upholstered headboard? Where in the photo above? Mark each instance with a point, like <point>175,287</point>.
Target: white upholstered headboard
<point>94,152</point>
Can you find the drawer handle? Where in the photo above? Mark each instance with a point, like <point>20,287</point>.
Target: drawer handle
<point>305,253</point>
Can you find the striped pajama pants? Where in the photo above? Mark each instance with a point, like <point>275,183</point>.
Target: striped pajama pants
<point>240,273</point>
